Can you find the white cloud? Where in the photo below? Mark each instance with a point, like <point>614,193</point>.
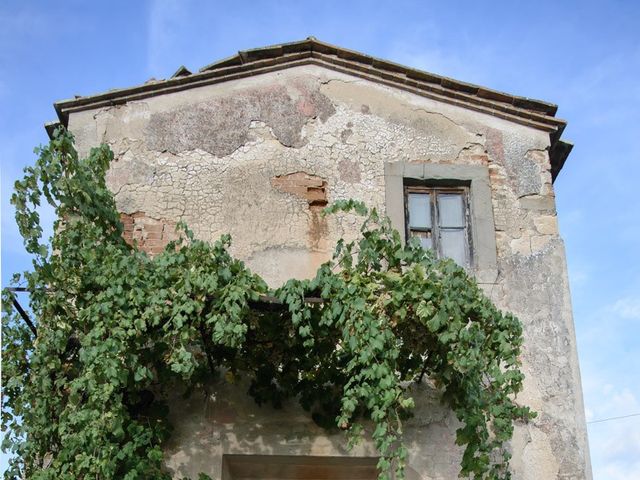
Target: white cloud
<point>619,451</point>
<point>628,308</point>
<point>605,91</point>
<point>616,471</point>
<point>473,65</point>
<point>614,444</point>
<point>617,455</point>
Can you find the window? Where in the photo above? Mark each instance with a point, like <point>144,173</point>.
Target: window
<point>444,187</point>
<point>439,217</point>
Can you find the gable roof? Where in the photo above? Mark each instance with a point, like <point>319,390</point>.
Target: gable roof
<point>533,113</point>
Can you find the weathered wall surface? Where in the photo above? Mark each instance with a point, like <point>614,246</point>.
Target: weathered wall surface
<point>260,157</point>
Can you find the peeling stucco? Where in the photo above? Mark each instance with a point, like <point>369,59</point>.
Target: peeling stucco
<point>222,125</point>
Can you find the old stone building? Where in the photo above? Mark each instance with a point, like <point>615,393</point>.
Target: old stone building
<point>257,144</point>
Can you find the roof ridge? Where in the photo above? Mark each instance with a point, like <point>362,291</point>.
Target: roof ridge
<point>244,57</point>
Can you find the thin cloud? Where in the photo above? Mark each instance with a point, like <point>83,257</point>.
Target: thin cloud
<point>427,51</point>
<point>16,24</point>
<point>615,444</point>
<point>606,91</point>
<point>579,275</point>
<point>628,308</point>
<point>167,20</point>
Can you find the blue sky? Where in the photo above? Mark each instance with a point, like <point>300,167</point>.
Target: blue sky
<point>582,55</point>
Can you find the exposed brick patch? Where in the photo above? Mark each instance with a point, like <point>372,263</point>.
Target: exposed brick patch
<point>498,176</point>
<point>151,234</point>
<point>495,145</point>
<point>481,159</point>
<point>311,188</point>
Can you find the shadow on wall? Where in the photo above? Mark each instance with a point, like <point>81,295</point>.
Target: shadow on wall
<point>210,427</point>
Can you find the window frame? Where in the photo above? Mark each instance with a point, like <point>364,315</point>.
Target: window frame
<point>482,230</point>
<point>434,190</point>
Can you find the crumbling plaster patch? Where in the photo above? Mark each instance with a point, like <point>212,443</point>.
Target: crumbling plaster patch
<point>443,138</point>
<point>523,161</point>
<point>221,125</point>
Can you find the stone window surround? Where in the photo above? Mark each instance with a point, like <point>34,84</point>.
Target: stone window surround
<point>483,232</point>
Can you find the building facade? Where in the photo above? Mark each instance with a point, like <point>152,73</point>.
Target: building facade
<point>257,144</point>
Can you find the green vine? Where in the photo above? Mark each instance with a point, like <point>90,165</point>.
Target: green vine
<point>115,328</point>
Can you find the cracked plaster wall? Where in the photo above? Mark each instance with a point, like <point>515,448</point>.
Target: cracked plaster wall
<point>217,156</point>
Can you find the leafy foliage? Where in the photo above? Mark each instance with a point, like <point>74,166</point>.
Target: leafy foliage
<point>115,327</point>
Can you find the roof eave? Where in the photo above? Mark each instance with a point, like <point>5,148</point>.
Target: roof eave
<point>558,154</point>
<point>534,113</point>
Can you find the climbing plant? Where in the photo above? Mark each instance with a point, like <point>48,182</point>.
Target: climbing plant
<point>83,396</point>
